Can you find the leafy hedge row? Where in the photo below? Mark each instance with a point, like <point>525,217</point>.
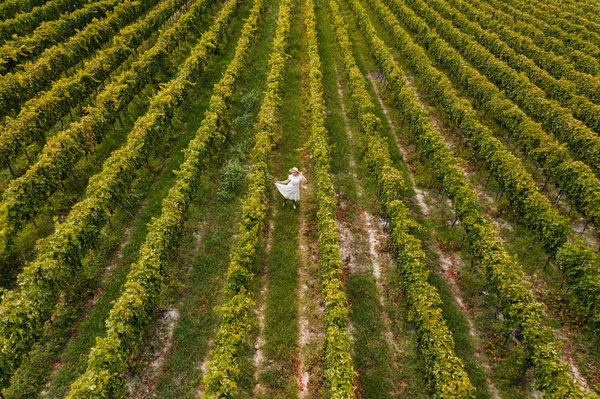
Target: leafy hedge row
<point>522,191</point>
<point>339,366</point>
<point>26,194</point>
<point>563,91</point>
<point>552,33</point>
<point>556,18</point>
<point>23,23</point>
<point>39,114</point>
<point>24,310</point>
<point>587,10</point>
<point>134,308</point>
<point>559,67</point>
<point>505,277</point>
<point>582,141</point>
<point>18,87</point>
<point>585,21</point>
<point>575,178</point>
<point>445,370</point>
<point>9,8</point>
<point>61,23</point>
<point>223,370</point>
<point>513,18</point>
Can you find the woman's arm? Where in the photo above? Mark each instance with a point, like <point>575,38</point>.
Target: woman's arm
<point>283,182</point>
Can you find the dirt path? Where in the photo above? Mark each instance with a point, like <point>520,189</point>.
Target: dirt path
<point>449,261</point>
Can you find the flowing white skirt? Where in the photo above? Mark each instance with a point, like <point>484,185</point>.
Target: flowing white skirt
<point>289,191</point>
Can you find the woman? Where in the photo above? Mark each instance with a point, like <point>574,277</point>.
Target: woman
<point>290,188</point>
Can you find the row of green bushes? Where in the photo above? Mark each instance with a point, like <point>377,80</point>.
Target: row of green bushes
<point>10,8</point>
<point>22,24</point>
<point>555,119</point>
<point>574,16</point>
<point>39,114</point>
<point>19,86</point>
<point>27,46</point>
<point>555,16</point>
<point>223,370</point>
<point>28,193</point>
<point>134,309</point>
<point>558,66</point>
<point>505,277</point>
<point>509,16</point>
<point>552,38</point>
<point>587,10</point>
<point>563,91</point>
<point>339,366</point>
<point>445,371</point>
<point>25,309</point>
<point>536,211</point>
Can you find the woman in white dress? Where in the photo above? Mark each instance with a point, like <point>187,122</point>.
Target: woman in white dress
<point>290,188</point>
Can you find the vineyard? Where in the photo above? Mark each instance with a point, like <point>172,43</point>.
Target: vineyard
<point>445,244</point>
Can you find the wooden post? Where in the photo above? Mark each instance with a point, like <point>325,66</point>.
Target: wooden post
<point>12,172</point>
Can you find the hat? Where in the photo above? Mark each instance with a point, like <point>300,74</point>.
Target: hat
<point>295,170</point>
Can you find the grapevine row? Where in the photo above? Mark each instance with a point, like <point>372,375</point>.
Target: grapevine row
<point>587,10</point>
<point>25,48</point>
<point>444,369</point>
<point>28,193</point>
<point>573,177</point>
<point>582,141</point>
<point>9,8</point>
<point>506,278</point>
<point>554,18</point>
<point>521,189</point>
<point>512,17</point>
<point>133,309</point>
<point>560,91</point>
<point>580,23</point>
<point>551,32</point>
<point>24,23</point>
<point>223,370</point>
<point>39,114</point>
<point>339,367</point>
<point>557,66</point>
<point>25,309</point>
<point>18,87</point>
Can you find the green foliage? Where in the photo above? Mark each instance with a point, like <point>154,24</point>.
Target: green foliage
<point>9,8</point>
<point>552,38</point>
<point>506,278</point>
<point>536,31</point>
<point>558,66</point>
<point>24,310</point>
<point>574,178</point>
<point>556,17</point>
<point>133,310</point>
<point>23,48</point>
<point>581,140</point>
<point>234,174</point>
<point>28,193</point>
<point>445,370</point>
<point>221,379</point>
<point>339,369</point>
<point>18,87</point>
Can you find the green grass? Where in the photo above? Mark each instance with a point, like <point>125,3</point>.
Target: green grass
<point>72,360</point>
<point>283,260</point>
<point>381,372</point>
<point>72,188</point>
<point>197,300</point>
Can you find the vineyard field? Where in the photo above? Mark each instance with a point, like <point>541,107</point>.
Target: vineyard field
<point>329,199</point>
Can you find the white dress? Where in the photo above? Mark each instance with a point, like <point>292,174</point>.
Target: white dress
<point>291,190</point>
